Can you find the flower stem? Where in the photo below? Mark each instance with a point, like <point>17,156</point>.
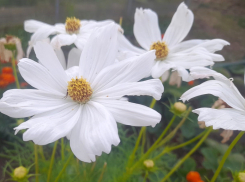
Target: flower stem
<point>102,173</point>
<point>142,131</point>
<point>187,155</point>
<point>226,155</point>
<point>63,169</point>
<point>15,72</point>
<point>166,150</point>
<point>52,161</point>
<point>62,149</point>
<point>36,162</point>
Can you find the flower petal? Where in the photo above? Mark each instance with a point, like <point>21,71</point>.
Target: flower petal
<point>42,33</point>
<point>98,130</point>
<point>160,67</point>
<point>47,57</point>
<point>99,52</point>
<point>40,77</point>
<point>132,114</point>
<point>146,29</point>
<point>32,25</point>
<point>227,118</point>
<point>129,70</point>
<point>18,103</point>
<point>180,25</point>
<point>73,58</point>
<point>151,87</point>
<point>224,90</point>
<point>50,126</point>
<point>59,53</point>
<point>63,40</point>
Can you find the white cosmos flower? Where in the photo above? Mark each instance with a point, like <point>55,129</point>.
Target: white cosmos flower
<point>227,118</point>
<point>83,102</point>
<point>171,52</point>
<point>73,31</point>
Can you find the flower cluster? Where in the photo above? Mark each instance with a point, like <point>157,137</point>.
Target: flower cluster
<point>82,98</point>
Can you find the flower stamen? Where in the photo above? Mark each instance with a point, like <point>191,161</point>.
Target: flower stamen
<point>79,90</point>
<point>161,49</point>
<point>72,25</point>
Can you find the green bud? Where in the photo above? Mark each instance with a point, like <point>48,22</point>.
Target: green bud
<point>20,173</point>
<point>179,107</point>
<point>149,163</point>
<point>241,176</point>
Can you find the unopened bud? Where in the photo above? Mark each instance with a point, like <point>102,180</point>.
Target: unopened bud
<point>241,177</point>
<point>179,107</point>
<point>149,163</point>
<point>20,173</point>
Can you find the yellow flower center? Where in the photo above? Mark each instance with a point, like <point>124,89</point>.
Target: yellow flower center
<point>73,25</point>
<point>79,90</point>
<point>161,49</point>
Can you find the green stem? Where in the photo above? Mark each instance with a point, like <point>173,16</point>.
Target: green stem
<point>143,142</point>
<point>146,176</point>
<point>102,173</point>
<point>41,152</point>
<point>187,155</point>
<point>226,155</point>
<point>172,133</point>
<point>63,169</point>
<point>166,150</point>
<point>36,162</point>
<point>15,72</point>
<point>52,161</point>
<point>142,131</point>
<point>62,149</point>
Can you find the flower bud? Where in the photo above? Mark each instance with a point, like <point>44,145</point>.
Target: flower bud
<point>179,107</point>
<point>20,173</point>
<point>241,176</point>
<point>149,163</point>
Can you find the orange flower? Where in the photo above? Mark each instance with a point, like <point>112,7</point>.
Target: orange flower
<point>9,78</point>
<point>193,176</point>
<point>191,82</point>
<point>3,84</point>
<point>162,35</point>
<point>7,70</point>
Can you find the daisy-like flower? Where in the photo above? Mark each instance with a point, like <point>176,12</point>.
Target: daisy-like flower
<point>73,31</point>
<point>83,103</point>
<point>227,118</point>
<point>171,51</point>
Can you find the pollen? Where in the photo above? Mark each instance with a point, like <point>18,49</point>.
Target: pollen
<point>161,49</point>
<point>79,90</point>
<point>73,25</point>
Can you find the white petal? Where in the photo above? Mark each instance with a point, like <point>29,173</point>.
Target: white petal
<point>20,103</point>
<point>50,126</point>
<point>32,25</point>
<point>41,34</point>
<point>48,58</point>
<point>180,25</point>
<point>151,87</point>
<point>160,67</point>
<point>62,40</point>
<point>60,28</point>
<point>213,45</point>
<point>59,53</point>
<point>73,58</point>
<point>227,118</point>
<point>40,77</point>
<point>165,76</point>
<point>224,90</point>
<point>202,72</point>
<point>186,45</point>
<point>146,29</point>
<point>72,72</point>
<point>132,114</point>
<point>98,130</point>
<point>130,70</point>
<point>184,74</point>
<point>99,52</point>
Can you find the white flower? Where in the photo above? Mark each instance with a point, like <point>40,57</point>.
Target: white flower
<point>227,118</point>
<point>73,31</point>
<point>83,103</point>
<point>171,52</point>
